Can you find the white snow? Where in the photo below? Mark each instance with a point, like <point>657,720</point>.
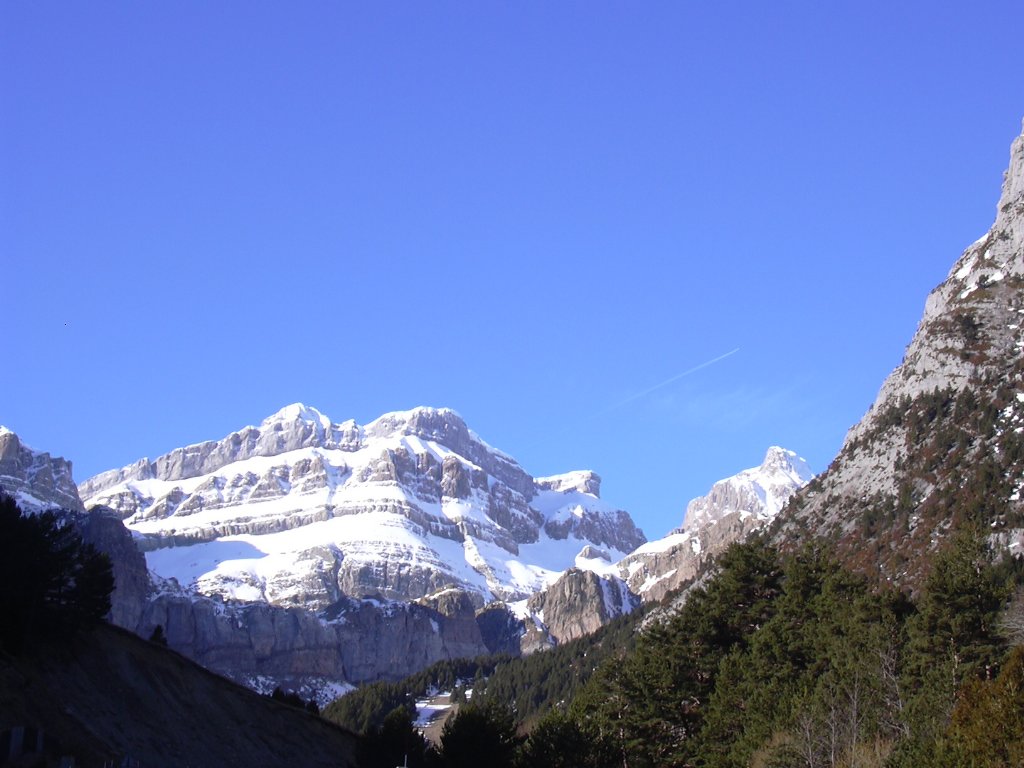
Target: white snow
<point>375,523</point>
<point>665,544</point>
<point>968,265</point>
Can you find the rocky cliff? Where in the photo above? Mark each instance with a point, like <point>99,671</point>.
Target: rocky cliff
<point>35,479</point>
<point>579,603</point>
<point>941,446</point>
<point>40,481</point>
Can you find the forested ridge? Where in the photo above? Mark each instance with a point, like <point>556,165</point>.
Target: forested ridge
<point>777,660</point>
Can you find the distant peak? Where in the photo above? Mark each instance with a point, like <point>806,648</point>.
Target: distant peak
<point>785,459</point>
<point>298,412</point>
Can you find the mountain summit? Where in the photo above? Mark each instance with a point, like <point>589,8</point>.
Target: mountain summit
<point>760,492</point>
<point>731,510</point>
<point>302,511</point>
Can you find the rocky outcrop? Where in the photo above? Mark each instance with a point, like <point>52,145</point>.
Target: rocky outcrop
<point>35,479</point>
<point>580,603</point>
<point>583,481</point>
<point>40,481</point>
<point>104,530</point>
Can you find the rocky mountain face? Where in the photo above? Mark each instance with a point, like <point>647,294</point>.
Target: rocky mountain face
<point>39,481</point>
<point>733,509</point>
<point>302,512</point>
<point>309,553</point>
<point>942,445</point>
<point>579,603</point>
<point>35,479</point>
<point>314,555</point>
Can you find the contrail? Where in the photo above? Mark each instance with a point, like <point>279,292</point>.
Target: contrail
<point>665,383</point>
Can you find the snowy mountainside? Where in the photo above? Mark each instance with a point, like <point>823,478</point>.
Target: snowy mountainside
<point>759,492</point>
<point>733,508</point>
<point>303,511</point>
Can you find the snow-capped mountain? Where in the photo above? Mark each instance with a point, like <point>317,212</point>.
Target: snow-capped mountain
<point>760,492</point>
<point>314,555</point>
<point>731,510</point>
<point>303,511</point>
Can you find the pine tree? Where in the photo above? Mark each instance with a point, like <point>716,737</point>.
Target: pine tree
<point>396,742</point>
<point>479,733</point>
<point>51,583</point>
<point>651,704</point>
<point>953,638</point>
<point>559,741</point>
<point>987,728</point>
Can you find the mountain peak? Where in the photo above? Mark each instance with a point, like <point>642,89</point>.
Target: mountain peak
<point>784,460</point>
<point>439,424</point>
<point>1013,179</point>
<point>759,492</point>
<point>298,412</point>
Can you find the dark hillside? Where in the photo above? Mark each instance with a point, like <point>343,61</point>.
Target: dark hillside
<point>110,694</point>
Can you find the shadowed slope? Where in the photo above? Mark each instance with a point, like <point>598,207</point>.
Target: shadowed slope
<point>112,694</point>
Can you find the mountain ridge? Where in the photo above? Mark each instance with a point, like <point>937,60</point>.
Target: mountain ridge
<point>940,448</point>
<point>420,471</point>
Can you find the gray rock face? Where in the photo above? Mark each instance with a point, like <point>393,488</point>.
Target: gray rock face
<point>289,429</point>
<point>579,603</point>
<point>584,481</point>
<point>104,530</point>
<point>355,641</point>
<point>409,483</point>
<point>969,342</point>
<point>446,427</point>
<point>614,530</point>
<point>36,479</point>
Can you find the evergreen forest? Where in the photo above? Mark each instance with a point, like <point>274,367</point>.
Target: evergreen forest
<point>778,660</point>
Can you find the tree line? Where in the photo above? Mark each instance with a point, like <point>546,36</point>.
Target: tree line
<point>780,660</point>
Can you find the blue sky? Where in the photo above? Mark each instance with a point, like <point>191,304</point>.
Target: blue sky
<point>534,213</point>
